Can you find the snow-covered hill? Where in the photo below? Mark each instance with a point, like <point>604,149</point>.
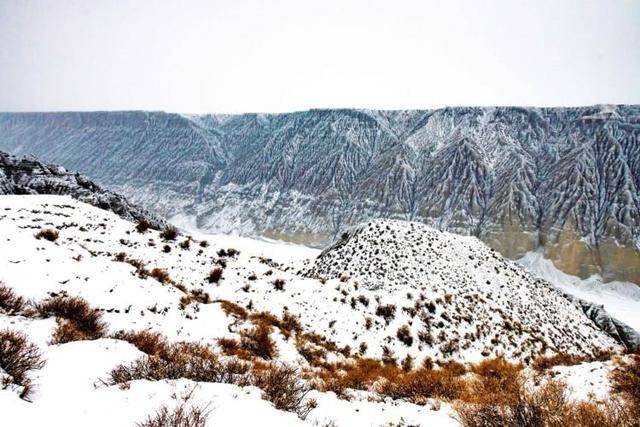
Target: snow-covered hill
<point>468,302</point>
<point>452,297</point>
<point>566,179</point>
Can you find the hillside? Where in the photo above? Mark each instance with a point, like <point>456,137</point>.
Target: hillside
<point>566,179</point>
<point>330,308</point>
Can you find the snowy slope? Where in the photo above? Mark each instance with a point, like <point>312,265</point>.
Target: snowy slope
<point>82,262</point>
<point>471,318</point>
<point>620,299</point>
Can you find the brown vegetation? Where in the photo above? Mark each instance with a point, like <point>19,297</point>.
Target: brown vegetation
<point>77,320</point>
<point>142,226</point>
<point>215,275</point>
<point>169,233</point>
<point>47,234</point>
<point>180,416</point>
<point>10,303</point>
<point>17,357</point>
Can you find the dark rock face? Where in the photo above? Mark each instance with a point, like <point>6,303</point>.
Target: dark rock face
<point>616,329</point>
<point>30,176</point>
<point>566,179</point>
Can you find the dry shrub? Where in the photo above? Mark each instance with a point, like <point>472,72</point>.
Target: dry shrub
<point>258,341</point>
<point>120,257</point>
<point>151,343</point>
<point>404,335</point>
<point>191,361</point>
<point>232,347</point>
<point>232,309</point>
<point>47,234</point>
<point>10,303</point>
<point>195,295</point>
<point>282,386</point>
<point>565,359</point>
<point>496,380</point>
<point>169,233</point>
<point>278,284</point>
<point>161,275</point>
<point>387,312</point>
<point>17,357</point>
<point>77,320</point>
<point>290,324</point>
<point>418,385</point>
<point>142,226</point>
<point>547,405</point>
<point>625,380</point>
<point>180,416</point>
<point>215,275</point>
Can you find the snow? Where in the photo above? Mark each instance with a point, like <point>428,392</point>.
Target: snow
<point>69,391</point>
<point>620,299</point>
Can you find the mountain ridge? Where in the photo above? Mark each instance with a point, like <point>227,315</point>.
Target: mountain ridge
<point>306,176</point>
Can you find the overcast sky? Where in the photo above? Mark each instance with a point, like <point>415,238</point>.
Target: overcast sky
<point>271,56</point>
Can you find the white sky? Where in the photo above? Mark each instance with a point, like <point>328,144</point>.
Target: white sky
<point>270,56</point>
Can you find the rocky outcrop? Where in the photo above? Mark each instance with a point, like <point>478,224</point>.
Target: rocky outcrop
<point>565,179</point>
<point>30,176</point>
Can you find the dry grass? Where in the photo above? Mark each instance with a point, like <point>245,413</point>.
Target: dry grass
<point>77,320</point>
<point>17,357</point>
<point>10,303</point>
<point>47,234</point>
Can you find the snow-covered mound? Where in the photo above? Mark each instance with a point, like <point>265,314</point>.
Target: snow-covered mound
<point>465,289</point>
<point>30,176</point>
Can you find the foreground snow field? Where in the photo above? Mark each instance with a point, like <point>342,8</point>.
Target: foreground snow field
<point>103,259</point>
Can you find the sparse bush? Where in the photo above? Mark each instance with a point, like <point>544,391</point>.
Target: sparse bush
<point>204,244</point>
<point>47,234</point>
<point>120,256</point>
<point>17,357</point>
<point>258,341</point>
<point>626,381</point>
<point>151,343</point>
<point>280,385</point>
<point>76,319</point>
<point>387,312</point>
<point>233,309</point>
<point>180,416</point>
<point>169,233</point>
<point>166,249</point>
<point>215,275</point>
<point>142,226</point>
<point>185,244</point>
<point>10,303</point>
<point>278,284</point>
<point>404,335</point>
<point>161,275</point>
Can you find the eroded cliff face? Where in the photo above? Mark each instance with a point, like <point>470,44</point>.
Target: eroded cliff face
<point>566,179</point>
